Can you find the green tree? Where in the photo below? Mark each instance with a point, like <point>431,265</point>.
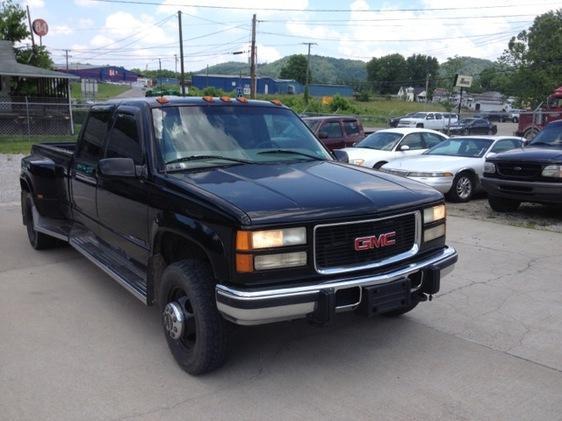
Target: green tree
<point>536,56</point>
<point>12,22</point>
<point>419,67</point>
<point>295,69</point>
<point>386,74</point>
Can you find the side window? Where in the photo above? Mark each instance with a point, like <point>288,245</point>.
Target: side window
<point>505,145</point>
<point>432,139</point>
<point>351,127</point>
<point>124,141</point>
<point>438,116</point>
<point>430,117</point>
<point>414,141</point>
<point>332,129</point>
<point>90,147</point>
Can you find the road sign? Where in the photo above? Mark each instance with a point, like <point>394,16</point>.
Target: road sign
<point>463,81</point>
<point>40,27</point>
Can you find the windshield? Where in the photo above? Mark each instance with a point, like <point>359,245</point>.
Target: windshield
<point>418,115</point>
<point>467,147</point>
<point>384,141</point>
<point>312,124</point>
<point>551,135</point>
<point>195,137</point>
<point>466,121</point>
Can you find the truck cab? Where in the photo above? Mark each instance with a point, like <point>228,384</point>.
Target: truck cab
<point>532,122</point>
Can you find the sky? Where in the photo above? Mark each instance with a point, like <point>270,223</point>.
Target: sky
<point>146,35</point>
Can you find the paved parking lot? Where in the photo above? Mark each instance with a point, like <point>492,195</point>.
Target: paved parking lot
<point>75,345</point>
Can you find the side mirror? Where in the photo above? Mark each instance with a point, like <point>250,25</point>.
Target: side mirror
<point>341,155</point>
<point>322,135</point>
<point>490,154</point>
<point>117,167</point>
<point>404,148</point>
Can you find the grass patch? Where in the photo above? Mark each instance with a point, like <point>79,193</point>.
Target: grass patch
<point>105,90</point>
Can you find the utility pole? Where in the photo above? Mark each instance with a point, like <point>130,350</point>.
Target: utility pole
<point>176,63</point>
<point>427,87</point>
<point>253,60</point>
<point>308,69</point>
<point>30,28</point>
<point>182,76</point>
<point>67,56</point>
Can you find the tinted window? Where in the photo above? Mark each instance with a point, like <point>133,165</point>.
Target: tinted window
<point>430,117</point>
<point>550,135</point>
<point>93,138</point>
<point>432,139</point>
<point>313,124</point>
<point>505,145</point>
<point>351,126</point>
<point>414,141</point>
<point>384,141</point>
<point>438,116</point>
<point>332,129</point>
<point>124,141</point>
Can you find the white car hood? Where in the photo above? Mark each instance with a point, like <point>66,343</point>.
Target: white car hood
<point>431,163</point>
<point>366,153</point>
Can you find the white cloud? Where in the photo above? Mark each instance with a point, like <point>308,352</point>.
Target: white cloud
<point>169,6</point>
<point>60,30</point>
<point>86,23</point>
<point>267,54</point>
<point>34,3</point>
<point>86,3</point>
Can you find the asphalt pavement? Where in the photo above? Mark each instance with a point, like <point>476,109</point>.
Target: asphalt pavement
<point>75,345</point>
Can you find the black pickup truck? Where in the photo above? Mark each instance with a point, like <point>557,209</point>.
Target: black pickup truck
<point>225,210</point>
<point>531,174</point>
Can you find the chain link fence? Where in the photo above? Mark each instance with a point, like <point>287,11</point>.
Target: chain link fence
<point>26,116</point>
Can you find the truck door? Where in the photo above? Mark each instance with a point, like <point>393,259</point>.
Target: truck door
<point>122,201</point>
<point>84,177</point>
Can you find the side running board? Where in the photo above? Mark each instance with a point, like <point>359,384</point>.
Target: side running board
<point>126,273</point>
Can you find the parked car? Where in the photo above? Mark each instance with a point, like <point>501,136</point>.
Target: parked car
<point>386,145</point>
<point>429,120</point>
<point>532,174</point>
<point>455,166</point>
<point>230,211</point>
<point>393,122</point>
<point>500,116</point>
<point>468,126</point>
<point>336,132</point>
<point>514,114</point>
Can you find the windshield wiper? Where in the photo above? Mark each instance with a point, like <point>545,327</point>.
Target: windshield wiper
<point>290,151</point>
<point>203,157</point>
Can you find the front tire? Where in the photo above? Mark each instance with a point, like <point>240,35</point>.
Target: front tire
<point>419,126</point>
<point>196,335</point>
<point>463,187</point>
<point>500,204</point>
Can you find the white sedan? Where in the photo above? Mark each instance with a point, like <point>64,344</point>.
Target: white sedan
<point>389,144</point>
<point>454,167</point>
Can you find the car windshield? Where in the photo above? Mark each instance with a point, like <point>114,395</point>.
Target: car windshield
<point>467,147</point>
<point>312,124</point>
<point>466,120</point>
<point>194,137</point>
<point>418,115</point>
<point>551,136</point>
<point>384,141</point>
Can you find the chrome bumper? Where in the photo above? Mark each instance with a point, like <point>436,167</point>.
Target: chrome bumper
<point>261,306</point>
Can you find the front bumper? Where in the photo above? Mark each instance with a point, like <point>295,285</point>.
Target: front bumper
<point>441,184</point>
<point>261,306</point>
<point>524,191</point>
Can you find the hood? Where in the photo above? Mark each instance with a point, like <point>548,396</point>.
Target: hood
<point>365,152</point>
<point>304,191</point>
<point>530,153</point>
<point>431,163</point>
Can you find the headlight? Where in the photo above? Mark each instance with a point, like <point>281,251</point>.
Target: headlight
<point>251,240</point>
<point>430,174</point>
<point>489,168</point>
<point>356,161</point>
<point>434,214</point>
<point>280,260</point>
<point>434,232</point>
<point>552,171</point>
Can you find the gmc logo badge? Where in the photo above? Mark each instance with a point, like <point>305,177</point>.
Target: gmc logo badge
<point>375,242</point>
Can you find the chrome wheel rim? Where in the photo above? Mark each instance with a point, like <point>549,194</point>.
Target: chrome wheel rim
<point>173,320</point>
<point>178,319</point>
<point>464,187</point>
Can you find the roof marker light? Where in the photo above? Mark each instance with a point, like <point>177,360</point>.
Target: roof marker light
<point>208,98</point>
<point>225,98</point>
<point>276,102</point>
<point>162,100</point>
<point>242,99</point>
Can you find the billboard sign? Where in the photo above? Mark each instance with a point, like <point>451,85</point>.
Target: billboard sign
<point>462,81</point>
<point>40,27</point>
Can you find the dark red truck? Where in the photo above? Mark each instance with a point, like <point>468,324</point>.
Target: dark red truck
<point>336,132</point>
<point>532,122</point>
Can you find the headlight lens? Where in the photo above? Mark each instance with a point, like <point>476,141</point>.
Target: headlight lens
<point>489,168</point>
<point>430,174</point>
<point>433,214</point>
<point>552,171</point>
<point>280,260</point>
<point>434,232</point>
<point>356,161</point>
<point>251,240</point>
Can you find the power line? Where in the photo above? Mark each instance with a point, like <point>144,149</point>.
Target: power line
<point>402,18</point>
<point>276,9</point>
